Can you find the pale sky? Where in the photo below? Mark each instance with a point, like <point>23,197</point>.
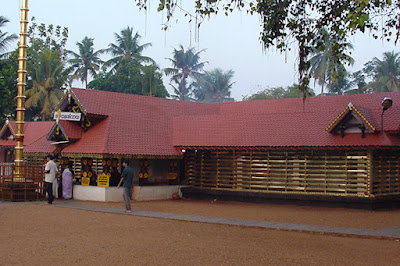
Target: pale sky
<point>230,42</point>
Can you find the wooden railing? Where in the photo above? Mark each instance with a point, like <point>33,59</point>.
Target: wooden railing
<point>29,187</point>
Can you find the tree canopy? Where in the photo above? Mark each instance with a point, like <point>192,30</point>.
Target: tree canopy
<point>297,24</point>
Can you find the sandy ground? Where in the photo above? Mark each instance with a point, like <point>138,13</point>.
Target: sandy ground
<point>47,235</point>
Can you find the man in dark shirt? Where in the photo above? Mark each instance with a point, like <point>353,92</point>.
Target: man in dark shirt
<point>126,181</point>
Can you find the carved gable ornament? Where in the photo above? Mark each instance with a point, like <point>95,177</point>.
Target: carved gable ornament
<point>350,120</point>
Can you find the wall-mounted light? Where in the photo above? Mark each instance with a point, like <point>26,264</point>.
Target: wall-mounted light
<point>386,104</point>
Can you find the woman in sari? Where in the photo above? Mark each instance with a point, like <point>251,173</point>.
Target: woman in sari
<point>67,177</point>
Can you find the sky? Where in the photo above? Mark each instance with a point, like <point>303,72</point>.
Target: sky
<point>230,43</point>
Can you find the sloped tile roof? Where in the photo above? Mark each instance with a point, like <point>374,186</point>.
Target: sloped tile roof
<point>34,137</point>
<point>288,123</point>
<point>140,125</point>
<point>135,124</point>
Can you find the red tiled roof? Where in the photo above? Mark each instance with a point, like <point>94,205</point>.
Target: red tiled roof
<point>288,123</point>
<point>137,125</point>
<point>140,125</point>
<point>72,130</point>
<point>34,137</point>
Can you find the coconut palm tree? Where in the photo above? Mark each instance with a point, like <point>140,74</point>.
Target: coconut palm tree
<point>87,61</point>
<point>214,86</point>
<point>326,67</point>
<point>127,47</point>
<point>152,83</point>
<point>385,73</point>
<point>48,77</point>
<point>5,38</point>
<point>186,64</point>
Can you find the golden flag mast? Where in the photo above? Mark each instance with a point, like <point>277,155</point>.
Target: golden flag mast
<point>21,90</point>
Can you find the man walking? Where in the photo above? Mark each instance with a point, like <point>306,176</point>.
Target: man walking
<point>126,181</point>
<point>50,172</point>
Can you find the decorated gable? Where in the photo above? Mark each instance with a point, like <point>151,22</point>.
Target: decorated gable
<point>350,120</point>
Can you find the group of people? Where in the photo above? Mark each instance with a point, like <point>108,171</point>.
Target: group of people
<point>67,178</point>
<point>50,179</point>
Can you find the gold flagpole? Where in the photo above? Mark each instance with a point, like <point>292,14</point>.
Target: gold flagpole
<point>21,91</point>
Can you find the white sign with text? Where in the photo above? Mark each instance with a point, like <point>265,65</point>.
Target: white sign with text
<point>67,116</point>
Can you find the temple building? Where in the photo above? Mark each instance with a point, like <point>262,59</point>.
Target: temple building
<point>331,148</point>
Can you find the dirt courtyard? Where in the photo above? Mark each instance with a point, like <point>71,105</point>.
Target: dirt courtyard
<point>41,234</point>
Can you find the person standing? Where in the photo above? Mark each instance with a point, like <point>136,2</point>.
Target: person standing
<point>50,172</point>
<point>67,177</point>
<point>126,181</point>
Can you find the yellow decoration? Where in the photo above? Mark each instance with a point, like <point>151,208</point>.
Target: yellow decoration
<point>140,175</point>
<point>172,175</point>
<point>85,181</point>
<point>103,180</point>
<point>145,175</point>
<point>90,174</point>
<point>84,174</point>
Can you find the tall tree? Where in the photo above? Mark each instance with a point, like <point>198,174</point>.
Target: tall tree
<point>326,68</point>
<point>285,22</point>
<point>186,64</point>
<point>5,38</point>
<point>48,78</point>
<point>127,47</point>
<point>214,86</point>
<point>8,72</point>
<point>152,83</point>
<point>87,61</point>
<point>343,85</point>
<point>45,69</point>
<point>385,73</point>
<point>8,85</point>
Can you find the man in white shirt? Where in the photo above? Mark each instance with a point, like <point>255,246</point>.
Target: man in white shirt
<point>50,172</point>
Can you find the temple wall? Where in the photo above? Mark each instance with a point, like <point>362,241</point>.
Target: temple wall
<point>331,172</point>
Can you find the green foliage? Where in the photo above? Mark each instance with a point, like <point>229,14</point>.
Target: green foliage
<point>8,85</point>
<point>46,71</point>
<point>301,21</point>
<point>5,38</point>
<point>42,37</point>
<point>130,77</point>
<point>325,68</point>
<point>185,64</point>
<point>127,47</point>
<point>8,73</point>
<point>86,62</point>
<point>45,88</point>
<point>277,93</point>
<point>214,86</point>
<point>152,83</point>
<point>385,74</point>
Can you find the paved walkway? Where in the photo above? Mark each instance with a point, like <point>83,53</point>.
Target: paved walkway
<point>383,233</point>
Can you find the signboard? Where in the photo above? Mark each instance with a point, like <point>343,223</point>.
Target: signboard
<point>103,180</point>
<point>69,116</point>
